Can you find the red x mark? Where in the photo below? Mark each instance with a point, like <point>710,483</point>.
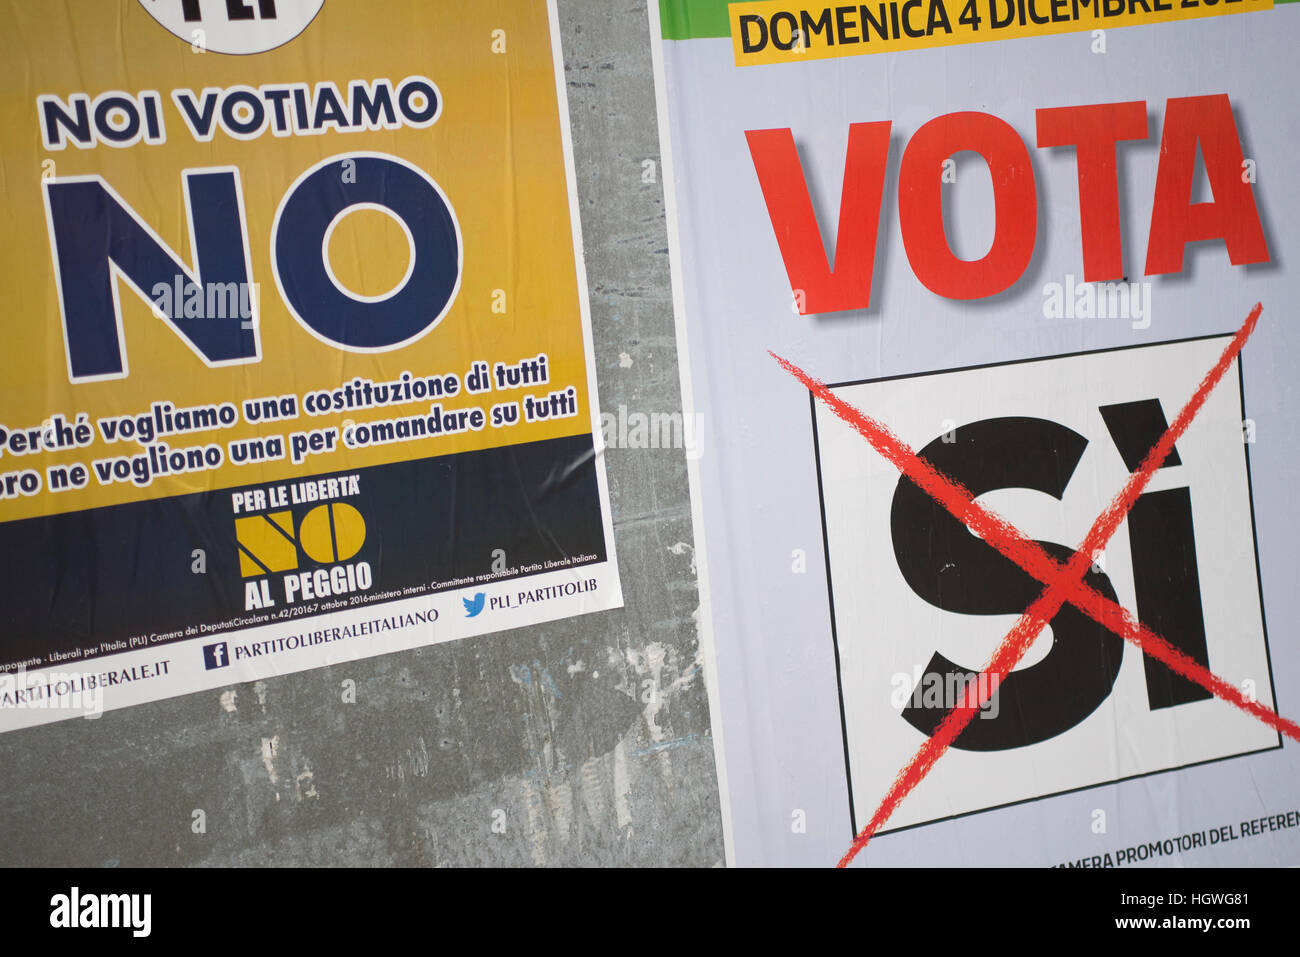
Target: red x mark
<point>1064,582</point>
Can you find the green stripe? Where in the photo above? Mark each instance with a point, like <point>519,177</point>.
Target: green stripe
<point>696,19</point>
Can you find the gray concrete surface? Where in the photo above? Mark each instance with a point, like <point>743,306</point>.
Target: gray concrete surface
<point>588,739</point>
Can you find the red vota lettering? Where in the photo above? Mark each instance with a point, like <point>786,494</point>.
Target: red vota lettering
<point>1094,132</point>
<point>920,205</point>
<point>1231,216</point>
<point>819,287</point>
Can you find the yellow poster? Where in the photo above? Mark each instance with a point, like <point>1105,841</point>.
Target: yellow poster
<point>298,365</point>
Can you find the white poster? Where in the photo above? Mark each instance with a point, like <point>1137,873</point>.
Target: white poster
<point>1023,246</point>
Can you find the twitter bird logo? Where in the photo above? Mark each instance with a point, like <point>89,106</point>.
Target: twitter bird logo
<point>474,605</point>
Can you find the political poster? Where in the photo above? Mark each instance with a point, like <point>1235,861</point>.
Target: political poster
<point>985,306</point>
<point>297,364</point>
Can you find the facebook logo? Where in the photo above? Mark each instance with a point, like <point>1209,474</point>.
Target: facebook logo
<point>216,656</point>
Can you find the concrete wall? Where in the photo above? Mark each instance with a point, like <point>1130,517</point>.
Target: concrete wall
<point>587,739</point>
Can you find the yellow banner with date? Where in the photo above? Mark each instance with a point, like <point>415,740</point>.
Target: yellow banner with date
<point>776,31</point>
